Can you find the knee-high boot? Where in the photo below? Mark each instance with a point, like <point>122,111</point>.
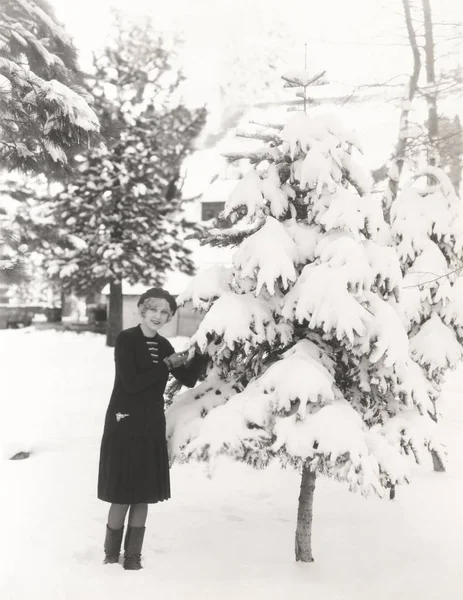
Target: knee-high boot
<point>112,545</point>
<point>133,544</point>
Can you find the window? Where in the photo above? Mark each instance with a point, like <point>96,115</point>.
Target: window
<point>211,210</point>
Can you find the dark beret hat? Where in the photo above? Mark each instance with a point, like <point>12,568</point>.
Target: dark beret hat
<point>158,293</point>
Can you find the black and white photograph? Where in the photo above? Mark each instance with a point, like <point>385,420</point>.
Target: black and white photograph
<point>231,299</point>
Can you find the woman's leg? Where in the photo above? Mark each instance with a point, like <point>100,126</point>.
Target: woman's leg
<point>116,516</point>
<point>138,514</point>
<point>135,533</point>
<point>114,532</point>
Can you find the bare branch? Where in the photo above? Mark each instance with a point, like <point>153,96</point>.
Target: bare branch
<point>419,285</point>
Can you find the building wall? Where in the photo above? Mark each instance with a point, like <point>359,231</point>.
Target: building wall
<point>184,323</point>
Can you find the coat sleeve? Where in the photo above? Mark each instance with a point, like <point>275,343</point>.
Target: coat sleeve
<point>188,375</point>
<point>133,382</point>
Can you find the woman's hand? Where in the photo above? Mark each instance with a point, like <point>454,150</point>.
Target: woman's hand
<point>177,359</point>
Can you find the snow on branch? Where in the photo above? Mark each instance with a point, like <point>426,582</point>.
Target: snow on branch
<point>248,195</point>
<point>435,347</point>
<point>321,298</point>
<point>344,212</point>
<point>298,379</point>
<point>269,254</point>
<point>305,237</point>
<point>35,11</point>
<point>185,416</point>
<point>259,135</point>
<point>356,175</point>
<point>452,313</point>
<point>71,104</point>
<point>429,271</point>
<point>269,154</point>
<point>274,193</point>
<point>415,217</point>
<point>206,286</point>
<point>409,430</point>
<point>385,268</point>
<point>252,321</point>
<point>418,390</point>
<point>268,124</point>
<point>443,182</point>
<point>26,37</point>
<point>385,337</point>
<point>228,237</point>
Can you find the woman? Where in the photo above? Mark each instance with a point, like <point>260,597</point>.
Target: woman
<point>134,464</point>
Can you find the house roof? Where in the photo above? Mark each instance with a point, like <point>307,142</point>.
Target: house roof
<point>219,190</point>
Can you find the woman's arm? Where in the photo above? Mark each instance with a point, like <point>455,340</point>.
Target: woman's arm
<point>126,367</point>
<point>188,374</point>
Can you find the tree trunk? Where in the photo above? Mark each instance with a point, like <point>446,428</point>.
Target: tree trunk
<point>431,95</point>
<point>437,463</point>
<point>396,167</point>
<point>456,164</point>
<point>115,313</point>
<point>304,516</point>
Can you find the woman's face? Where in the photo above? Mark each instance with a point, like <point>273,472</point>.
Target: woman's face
<point>154,313</point>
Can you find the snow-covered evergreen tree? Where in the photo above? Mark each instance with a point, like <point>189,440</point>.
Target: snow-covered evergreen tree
<point>25,201</point>
<point>427,229</point>
<point>44,111</point>
<point>310,362</point>
<point>123,202</point>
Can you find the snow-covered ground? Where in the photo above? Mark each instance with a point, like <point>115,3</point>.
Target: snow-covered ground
<point>227,536</point>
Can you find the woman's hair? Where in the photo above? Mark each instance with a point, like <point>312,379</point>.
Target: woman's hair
<point>158,293</point>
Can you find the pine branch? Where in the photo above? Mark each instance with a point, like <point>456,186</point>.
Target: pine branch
<point>278,126</point>
<point>293,83</point>
<point>257,135</point>
<point>227,237</point>
<point>360,191</point>
<point>253,157</point>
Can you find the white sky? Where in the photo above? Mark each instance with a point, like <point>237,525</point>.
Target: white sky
<point>356,41</point>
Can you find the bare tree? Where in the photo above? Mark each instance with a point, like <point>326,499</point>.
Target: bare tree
<point>397,162</point>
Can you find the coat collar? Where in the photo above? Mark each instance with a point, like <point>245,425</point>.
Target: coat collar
<point>139,330</point>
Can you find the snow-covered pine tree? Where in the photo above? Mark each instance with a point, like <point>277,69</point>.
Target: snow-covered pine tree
<point>123,202</point>
<point>44,111</point>
<point>427,230</point>
<point>309,359</point>
<point>25,202</point>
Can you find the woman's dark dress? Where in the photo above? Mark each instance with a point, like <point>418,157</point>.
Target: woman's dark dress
<point>134,464</point>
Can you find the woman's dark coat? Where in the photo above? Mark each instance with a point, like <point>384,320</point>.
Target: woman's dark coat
<point>134,464</point>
